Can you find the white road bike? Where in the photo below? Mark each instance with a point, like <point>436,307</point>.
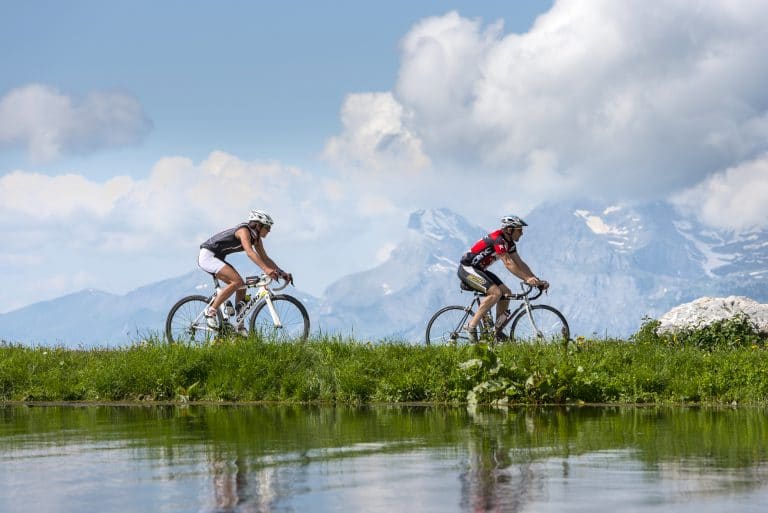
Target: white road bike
<point>530,323</point>
<point>274,317</point>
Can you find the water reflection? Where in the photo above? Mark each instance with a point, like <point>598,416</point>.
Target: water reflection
<point>270,458</point>
<point>235,488</point>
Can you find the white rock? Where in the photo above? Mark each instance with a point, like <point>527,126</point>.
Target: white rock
<point>707,310</point>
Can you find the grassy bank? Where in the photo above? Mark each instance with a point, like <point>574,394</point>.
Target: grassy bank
<point>729,366</point>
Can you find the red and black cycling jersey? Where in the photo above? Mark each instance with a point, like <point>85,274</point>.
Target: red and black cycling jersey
<point>226,242</point>
<point>485,251</point>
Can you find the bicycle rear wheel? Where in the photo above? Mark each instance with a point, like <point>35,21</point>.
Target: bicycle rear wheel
<point>294,320</point>
<point>546,325</point>
<point>447,326</point>
<point>186,322</point>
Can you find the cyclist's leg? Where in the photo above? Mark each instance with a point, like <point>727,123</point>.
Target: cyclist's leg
<point>503,303</point>
<point>493,294</point>
<point>481,281</point>
<point>210,263</point>
<point>234,283</point>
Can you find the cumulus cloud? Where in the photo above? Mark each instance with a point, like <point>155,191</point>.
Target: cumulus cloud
<point>732,199</point>
<point>177,199</point>
<point>111,231</point>
<point>623,100</point>
<point>36,197</point>
<point>50,124</point>
<point>376,136</point>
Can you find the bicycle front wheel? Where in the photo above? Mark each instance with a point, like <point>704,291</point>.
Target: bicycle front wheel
<point>447,326</point>
<point>545,325</point>
<point>186,322</point>
<point>291,314</point>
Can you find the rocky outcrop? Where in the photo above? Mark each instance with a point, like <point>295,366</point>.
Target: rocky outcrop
<point>707,310</point>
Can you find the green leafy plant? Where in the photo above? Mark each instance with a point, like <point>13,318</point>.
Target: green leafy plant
<point>738,331</point>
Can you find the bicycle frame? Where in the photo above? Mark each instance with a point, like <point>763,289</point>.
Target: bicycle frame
<point>524,305</point>
<point>263,294</point>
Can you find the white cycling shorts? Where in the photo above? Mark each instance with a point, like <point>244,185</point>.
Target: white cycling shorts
<point>208,261</point>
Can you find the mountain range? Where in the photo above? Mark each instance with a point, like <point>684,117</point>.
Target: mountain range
<point>609,267</point>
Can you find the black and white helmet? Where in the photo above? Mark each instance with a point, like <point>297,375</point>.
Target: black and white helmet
<point>512,222</point>
<point>261,217</point>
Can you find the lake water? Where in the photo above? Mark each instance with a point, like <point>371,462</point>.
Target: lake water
<point>381,459</point>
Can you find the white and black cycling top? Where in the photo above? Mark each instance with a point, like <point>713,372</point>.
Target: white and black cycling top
<point>225,242</point>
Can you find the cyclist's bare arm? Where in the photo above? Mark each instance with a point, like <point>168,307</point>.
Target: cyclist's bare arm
<point>516,266</point>
<point>278,272</point>
<point>255,251</point>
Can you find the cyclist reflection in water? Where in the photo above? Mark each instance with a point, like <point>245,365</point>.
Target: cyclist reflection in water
<point>243,237</point>
<point>492,481</point>
<point>500,244</point>
<point>235,489</point>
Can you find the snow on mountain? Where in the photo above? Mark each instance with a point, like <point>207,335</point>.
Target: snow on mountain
<point>396,298</point>
<point>609,267</point>
<point>440,224</point>
<point>617,264</point>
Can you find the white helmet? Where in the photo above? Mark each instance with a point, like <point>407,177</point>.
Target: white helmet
<point>512,222</point>
<point>261,217</point>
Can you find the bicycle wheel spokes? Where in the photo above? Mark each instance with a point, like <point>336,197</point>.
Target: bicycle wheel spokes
<point>186,323</point>
<point>548,326</point>
<point>447,327</point>
<point>292,316</point>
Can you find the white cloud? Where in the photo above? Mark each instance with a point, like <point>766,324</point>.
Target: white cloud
<point>50,124</point>
<point>621,100</point>
<point>177,196</point>
<point>376,136</point>
<point>124,231</point>
<point>385,251</point>
<point>376,205</point>
<point>733,199</point>
<point>38,197</point>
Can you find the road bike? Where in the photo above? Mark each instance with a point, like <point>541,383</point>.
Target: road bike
<point>278,317</point>
<point>530,323</point>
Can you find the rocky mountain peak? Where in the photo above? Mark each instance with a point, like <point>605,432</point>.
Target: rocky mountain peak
<point>441,224</point>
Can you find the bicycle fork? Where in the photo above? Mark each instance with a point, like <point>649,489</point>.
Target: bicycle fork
<point>272,311</point>
<point>266,296</point>
<point>529,313</point>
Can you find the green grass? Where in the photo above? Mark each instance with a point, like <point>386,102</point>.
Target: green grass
<point>722,365</point>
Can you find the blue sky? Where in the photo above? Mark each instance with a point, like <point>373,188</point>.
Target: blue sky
<point>131,131</point>
<point>259,79</point>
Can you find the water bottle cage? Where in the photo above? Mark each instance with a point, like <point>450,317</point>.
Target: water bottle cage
<point>249,302</point>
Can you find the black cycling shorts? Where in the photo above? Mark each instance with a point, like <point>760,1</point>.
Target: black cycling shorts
<point>477,279</point>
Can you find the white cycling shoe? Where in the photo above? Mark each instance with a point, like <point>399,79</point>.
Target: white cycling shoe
<point>471,333</point>
<point>211,318</point>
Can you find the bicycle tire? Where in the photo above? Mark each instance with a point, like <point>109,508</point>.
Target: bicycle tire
<point>447,326</point>
<point>552,328</point>
<point>186,324</point>
<point>293,317</point>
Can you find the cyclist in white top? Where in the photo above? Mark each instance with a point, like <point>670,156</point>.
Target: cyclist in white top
<point>246,237</point>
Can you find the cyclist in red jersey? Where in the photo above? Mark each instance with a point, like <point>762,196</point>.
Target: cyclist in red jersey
<point>474,273</point>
